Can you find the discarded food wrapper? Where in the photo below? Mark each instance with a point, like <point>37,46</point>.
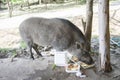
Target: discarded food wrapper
<point>60,58</point>
<point>74,68</point>
<point>79,74</point>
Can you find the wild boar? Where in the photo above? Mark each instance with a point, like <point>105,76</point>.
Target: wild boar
<point>60,34</point>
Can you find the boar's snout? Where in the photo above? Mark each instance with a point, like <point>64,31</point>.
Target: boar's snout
<point>86,58</point>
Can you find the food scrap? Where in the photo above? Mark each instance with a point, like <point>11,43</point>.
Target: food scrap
<point>75,59</point>
<point>72,67</point>
<point>82,64</point>
<point>86,66</point>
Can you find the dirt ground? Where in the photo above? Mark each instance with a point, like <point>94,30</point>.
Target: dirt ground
<point>23,68</point>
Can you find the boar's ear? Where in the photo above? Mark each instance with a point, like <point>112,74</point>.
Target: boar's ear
<point>78,45</point>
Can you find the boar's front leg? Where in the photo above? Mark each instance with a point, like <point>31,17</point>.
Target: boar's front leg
<point>35,47</point>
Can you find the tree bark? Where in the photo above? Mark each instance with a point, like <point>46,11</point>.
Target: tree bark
<point>104,36</point>
<point>88,27</point>
<point>1,3</point>
<point>10,7</point>
<point>76,1</point>
<point>28,4</point>
<point>39,2</point>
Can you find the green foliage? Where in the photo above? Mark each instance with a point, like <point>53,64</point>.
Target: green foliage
<point>59,1</point>
<point>95,36</point>
<point>14,52</point>
<point>4,50</point>
<point>53,66</point>
<point>82,1</point>
<point>113,0</point>
<point>17,1</point>
<point>13,1</point>
<point>3,1</point>
<point>23,45</point>
<point>7,52</point>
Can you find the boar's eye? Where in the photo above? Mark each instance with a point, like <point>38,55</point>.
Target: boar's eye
<point>78,46</point>
<point>84,52</point>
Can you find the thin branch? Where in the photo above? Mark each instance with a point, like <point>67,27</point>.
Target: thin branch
<point>83,24</point>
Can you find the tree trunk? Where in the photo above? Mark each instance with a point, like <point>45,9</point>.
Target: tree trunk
<point>0,3</point>
<point>104,36</point>
<point>76,1</point>
<point>88,27</point>
<point>28,4</point>
<point>39,2</point>
<point>10,7</point>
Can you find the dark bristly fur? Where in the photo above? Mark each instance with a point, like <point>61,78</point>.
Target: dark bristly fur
<point>60,34</point>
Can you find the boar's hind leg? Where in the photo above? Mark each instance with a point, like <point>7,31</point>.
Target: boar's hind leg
<point>35,47</point>
<point>30,47</point>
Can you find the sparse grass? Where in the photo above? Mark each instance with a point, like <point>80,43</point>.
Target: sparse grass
<point>82,2</point>
<point>23,45</point>
<point>4,50</point>
<point>14,52</point>
<point>7,52</point>
<point>95,36</point>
